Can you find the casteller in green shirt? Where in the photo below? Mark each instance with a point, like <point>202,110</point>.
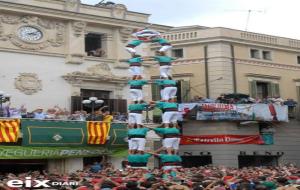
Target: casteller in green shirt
<point>169,158</point>
<point>138,158</point>
<point>137,107</point>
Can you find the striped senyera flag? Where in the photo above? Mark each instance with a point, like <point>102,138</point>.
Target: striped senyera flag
<point>97,132</point>
<point>9,130</point>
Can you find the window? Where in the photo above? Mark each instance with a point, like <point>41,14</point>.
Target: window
<point>298,59</point>
<point>255,53</point>
<point>266,55</point>
<point>261,89</point>
<point>177,53</point>
<point>93,45</point>
<point>183,91</point>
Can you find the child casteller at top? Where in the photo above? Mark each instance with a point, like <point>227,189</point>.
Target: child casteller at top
<point>147,35</point>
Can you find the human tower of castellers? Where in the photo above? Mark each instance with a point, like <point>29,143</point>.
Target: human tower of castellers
<point>169,131</point>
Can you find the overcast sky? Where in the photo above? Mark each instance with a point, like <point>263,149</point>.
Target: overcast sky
<point>274,17</point>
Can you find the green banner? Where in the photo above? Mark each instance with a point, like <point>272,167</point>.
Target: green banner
<point>53,133</point>
<point>19,152</point>
<point>118,135</point>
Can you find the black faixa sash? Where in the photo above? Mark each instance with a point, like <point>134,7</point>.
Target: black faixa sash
<point>137,164</point>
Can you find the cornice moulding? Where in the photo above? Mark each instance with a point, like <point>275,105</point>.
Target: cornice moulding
<point>263,76</point>
<point>68,15</point>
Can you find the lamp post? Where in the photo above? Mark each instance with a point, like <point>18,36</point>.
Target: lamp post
<point>92,103</point>
<point>3,98</point>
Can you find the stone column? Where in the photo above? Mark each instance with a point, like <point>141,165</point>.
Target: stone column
<point>73,164</point>
<point>75,42</point>
<point>219,69</point>
<point>152,137</point>
<point>108,46</point>
<point>67,165</point>
<point>56,165</point>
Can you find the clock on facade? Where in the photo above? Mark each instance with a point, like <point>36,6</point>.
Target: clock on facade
<point>30,34</point>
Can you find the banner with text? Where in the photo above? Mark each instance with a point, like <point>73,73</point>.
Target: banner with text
<point>221,139</point>
<point>21,152</point>
<point>242,112</point>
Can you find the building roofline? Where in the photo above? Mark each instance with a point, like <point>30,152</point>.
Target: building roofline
<point>255,33</point>
<point>11,7</point>
<point>87,5</point>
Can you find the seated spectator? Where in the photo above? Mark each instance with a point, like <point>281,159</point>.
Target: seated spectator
<point>97,53</point>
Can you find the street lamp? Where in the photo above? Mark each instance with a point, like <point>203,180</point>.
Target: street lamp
<point>92,103</point>
<point>3,98</point>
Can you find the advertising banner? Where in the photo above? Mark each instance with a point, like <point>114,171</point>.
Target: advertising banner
<point>54,133</point>
<point>21,152</point>
<point>221,139</point>
<point>238,112</point>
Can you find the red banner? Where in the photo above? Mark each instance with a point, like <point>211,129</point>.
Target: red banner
<point>221,139</point>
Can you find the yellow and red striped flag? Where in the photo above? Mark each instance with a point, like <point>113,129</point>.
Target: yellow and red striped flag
<point>9,130</point>
<point>97,132</point>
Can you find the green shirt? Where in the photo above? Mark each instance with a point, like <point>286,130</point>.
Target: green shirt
<point>135,43</point>
<point>135,60</point>
<point>165,105</point>
<point>164,59</point>
<point>169,158</point>
<point>138,158</point>
<point>138,131</point>
<point>161,41</point>
<point>137,82</point>
<point>165,82</point>
<point>166,131</point>
<point>137,107</point>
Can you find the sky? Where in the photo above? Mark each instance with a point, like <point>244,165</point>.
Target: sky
<point>273,17</point>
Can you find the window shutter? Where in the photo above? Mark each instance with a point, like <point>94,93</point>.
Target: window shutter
<point>275,89</point>
<point>76,104</point>
<point>155,92</point>
<point>185,91</point>
<point>117,105</point>
<point>298,93</point>
<point>252,89</point>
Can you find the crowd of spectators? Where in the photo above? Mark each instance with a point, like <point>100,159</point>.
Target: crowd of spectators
<point>57,113</point>
<point>197,178</point>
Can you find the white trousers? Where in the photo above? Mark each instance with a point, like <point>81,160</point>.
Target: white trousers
<point>168,93</point>
<point>135,118</point>
<point>165,71</point>
<point>170,167</point>
<point>135,70</point>
<point>171,143</point>
<point>130,50</point>
<point>136,94</point>
<point>130,145</point>
<point>138,143</point>
<point>165,48</point>
<point>170,117</point>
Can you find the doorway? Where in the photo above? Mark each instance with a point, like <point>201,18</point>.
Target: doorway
<point>258,160</point>
<point>196,161</point>
<point>20,166</point>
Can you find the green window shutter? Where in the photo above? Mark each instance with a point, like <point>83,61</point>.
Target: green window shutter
<point>253,89</point>
<point>185,91</point>
<point>275,89</point>
<point>155,92</point>
<point>298,93</point>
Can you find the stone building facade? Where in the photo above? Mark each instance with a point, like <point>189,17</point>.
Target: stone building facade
<point>45,47</point>
<point>221,60</point>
